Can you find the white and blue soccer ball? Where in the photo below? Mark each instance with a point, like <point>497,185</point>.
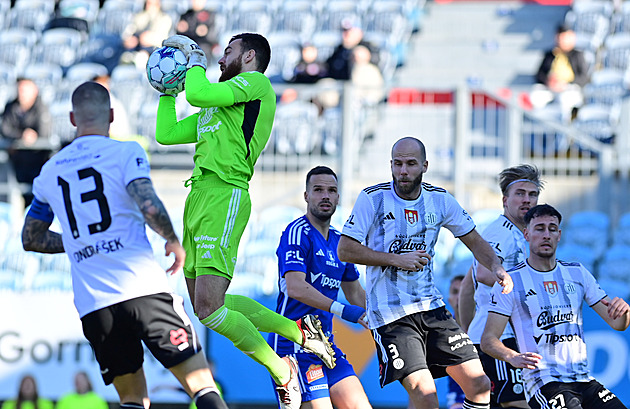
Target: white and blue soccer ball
<point>166,70</point>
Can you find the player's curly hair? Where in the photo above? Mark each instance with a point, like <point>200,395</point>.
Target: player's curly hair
<point>524,172</point>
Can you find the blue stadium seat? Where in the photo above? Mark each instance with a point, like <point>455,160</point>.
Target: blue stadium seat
<point>60,46</point>
<point>576,252</point>
<point>296,128</point>
<point>31,14</point>
<point>16,46</point>
<point>10,280</point>
<point>85,71</point>
<point>51,280</point>
<point>298,17</point>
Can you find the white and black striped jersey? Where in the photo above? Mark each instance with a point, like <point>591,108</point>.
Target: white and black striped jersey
<point>545,310</point>
<point>510,246</point>
<point>103,230</point>
<point>384,222</point>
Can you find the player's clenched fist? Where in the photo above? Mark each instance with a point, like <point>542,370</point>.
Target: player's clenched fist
<point>413,261</point>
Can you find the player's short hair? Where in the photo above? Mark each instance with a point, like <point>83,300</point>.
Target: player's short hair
<point>258,43</point>
<point>542,210</point>
<point>520,173</point>
<point>90,102</point>
<point>319,170</point>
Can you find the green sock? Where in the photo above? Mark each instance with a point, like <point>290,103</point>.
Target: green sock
<point>263,318</point>
<point>238,329</point>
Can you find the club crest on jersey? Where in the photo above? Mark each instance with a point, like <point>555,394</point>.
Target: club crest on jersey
<point>411,216</point>
<point>551,287</point>
<point>430,219</point>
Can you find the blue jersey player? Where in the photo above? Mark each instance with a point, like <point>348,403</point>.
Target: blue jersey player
<point>310,277</point>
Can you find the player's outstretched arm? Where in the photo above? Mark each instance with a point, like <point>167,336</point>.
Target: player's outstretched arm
<point>351,251</point>
<point>37,237</point>
<point>466,303</point>
<point>492,345</point>
<point>488,258</point>
<point>155,215</point>
<point>615,312</point>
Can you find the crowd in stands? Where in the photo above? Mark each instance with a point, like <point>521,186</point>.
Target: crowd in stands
<point>584,78</point>
<point>60,43</point>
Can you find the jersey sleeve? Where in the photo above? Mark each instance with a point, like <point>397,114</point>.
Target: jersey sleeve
<point>457,220</point>
<point>293,250</point>
<point>500,243</point>
<point>501,303</point>
<point>350,273</point>
<point>248,86</point>
<point>360,220</point>
<point>205,94</point>
<point>170,131</point>
<point>136,164</point>
<point>593,293</point>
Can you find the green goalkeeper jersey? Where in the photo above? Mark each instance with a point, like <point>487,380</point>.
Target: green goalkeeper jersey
<point>231,129</point>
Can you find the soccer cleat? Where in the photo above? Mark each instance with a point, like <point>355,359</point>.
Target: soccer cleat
<point>314,340</point>
<point>289,394</point>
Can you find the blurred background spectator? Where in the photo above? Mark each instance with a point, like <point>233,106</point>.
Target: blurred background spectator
<point>339,63</point>
<point>309,69</point>
<point>28,397</point>
<point>366,77</point>
<point>26,125</point>
<point>83,397</point>
<point>562,74</point>
<point>198,23</point>
<point>146,32</point>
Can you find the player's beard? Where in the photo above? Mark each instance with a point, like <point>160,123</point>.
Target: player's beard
<point>323,215</point>
<point>232,70</point>
<point>405,190</point>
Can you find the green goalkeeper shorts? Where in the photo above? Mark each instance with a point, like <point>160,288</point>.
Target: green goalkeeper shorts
<point>215,216</point>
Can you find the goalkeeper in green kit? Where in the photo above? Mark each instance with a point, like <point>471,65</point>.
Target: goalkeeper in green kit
<point>230,131</point>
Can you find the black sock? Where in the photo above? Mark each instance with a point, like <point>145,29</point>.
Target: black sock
<point>208,398</point>
<point>474,405</point>
<point>131,405</point>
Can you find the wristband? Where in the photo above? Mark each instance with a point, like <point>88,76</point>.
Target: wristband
<point>336,308</point>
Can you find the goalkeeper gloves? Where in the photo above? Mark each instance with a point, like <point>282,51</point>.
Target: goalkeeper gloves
<point>194,54</point>
<point>350,313</point>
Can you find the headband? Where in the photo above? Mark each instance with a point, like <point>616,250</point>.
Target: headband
<point>522,180</point>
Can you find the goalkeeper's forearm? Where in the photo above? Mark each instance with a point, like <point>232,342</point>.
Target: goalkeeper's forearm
<point>202,93</point>
<point>169,131</point>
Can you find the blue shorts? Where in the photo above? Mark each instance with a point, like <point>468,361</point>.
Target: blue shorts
<point>316,378</point>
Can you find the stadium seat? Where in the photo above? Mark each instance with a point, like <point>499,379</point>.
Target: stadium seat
<point>258,259</point>
<point>85,9</point>
<point>105,49</point>
<point>616,51</point>
<point>114,17</point>
<point>287,54</point>
<point>337,11</point>
<point>85,71</point>
<point>31,14</point>
<point>606,87</point>
<point>272,221</point>
<point>621,234</point>
<point>60,46</point>
<point>591,19</point>
<point>51,280</point>
<point>16,46</point>
<point>10,280</point>
<point>325,42</point>
<point>47,76</point>
<point>615,265</point>
<point>298,17</point>
<point>62,130</point>
<point>589,229</point>
<point>575,252</point>
<point>251,16</point>
<point>296,128</point>
<point>598,121</point>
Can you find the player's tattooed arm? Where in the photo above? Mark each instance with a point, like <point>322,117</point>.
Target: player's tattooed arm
<point>37,237</point>
<point>152,208</point>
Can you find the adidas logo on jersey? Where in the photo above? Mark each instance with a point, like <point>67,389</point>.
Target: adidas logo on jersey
<point>320,253</point>
<point>530,293</point>
<point>207,254</point>
<point>389,216</point>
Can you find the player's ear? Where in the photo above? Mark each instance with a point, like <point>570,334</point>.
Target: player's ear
<point>249,56</point>
<point>306,197</point>
<point>111,115</point>
<point>72,119</point>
